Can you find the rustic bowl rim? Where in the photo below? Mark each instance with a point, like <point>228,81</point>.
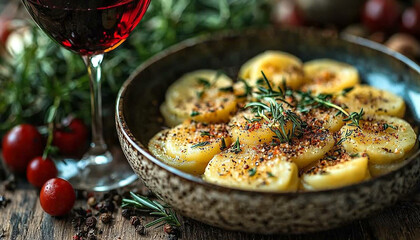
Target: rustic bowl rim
<point>349,39</point>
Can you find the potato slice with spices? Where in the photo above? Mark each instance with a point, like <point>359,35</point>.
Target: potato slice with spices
<point>190,146</point>
<point>373,101</point>
<point>203,95</point>
<point>329,76</point>
<point>277,66</point>
<point>311,146</point>
<point>336,170</point>
<point>252,169</point>
<point>385,139</point>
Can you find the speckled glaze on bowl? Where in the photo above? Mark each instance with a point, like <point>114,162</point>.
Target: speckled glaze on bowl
<point>138,119</point>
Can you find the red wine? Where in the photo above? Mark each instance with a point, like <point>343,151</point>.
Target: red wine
<point>87,27</point>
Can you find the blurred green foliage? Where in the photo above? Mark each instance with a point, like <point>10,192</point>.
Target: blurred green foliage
<point>31,80</point>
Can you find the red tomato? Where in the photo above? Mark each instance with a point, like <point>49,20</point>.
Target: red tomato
<point>380,15</point>
<point>410,20</point>
<point>72,138</point>
<point>21,144</point>
<point>40,170</point>
<point>288,13</point>
<point>57,197</point>
<point>4,30</point>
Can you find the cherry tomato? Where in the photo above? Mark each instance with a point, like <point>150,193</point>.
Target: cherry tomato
<point>288,13</point>
<point>4,30</point>
<point>380,15</point>
<point>57,197</point>
<point>40,170</point>
<point>71,139</point>
<point>410,20</point>
<point>21,144</point>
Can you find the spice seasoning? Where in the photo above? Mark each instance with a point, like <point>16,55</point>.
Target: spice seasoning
<point>140,229</point>
<point>91,222</point>
<point>135,221</point>
<point>106,218</point>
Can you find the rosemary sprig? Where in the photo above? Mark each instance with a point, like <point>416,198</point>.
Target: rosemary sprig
<point>307,100</point>
<point>277,117</point>
<point>200,144</point>
<point>223,147</point>
<point>344,138</point>
<point>252,120</point>
<point>386,126</point>
<point>237,146</point>
<point>204,133</point>
<point>248,89</point>
<point>154,208</point>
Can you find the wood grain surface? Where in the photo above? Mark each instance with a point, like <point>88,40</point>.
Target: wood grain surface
<point>24,218</point>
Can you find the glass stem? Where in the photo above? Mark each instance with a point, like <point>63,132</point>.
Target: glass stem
<point>93,64</point>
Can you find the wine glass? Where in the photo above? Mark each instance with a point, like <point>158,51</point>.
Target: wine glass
<point>91,28</point>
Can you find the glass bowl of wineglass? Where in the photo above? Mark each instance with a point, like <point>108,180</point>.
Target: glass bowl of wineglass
<point>91,28</point>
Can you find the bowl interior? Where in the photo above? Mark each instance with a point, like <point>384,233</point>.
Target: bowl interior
<point>145,90</point>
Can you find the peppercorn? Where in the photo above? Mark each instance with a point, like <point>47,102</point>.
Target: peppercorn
<point>105,206</point>
<point>169,229</point>
<point>135,221</point>
<point>172,237</point>
<point>91,222</point>
<point>126,213</point>
<point>140,229</point>
<point>106,218</point>
<point>91,201</point>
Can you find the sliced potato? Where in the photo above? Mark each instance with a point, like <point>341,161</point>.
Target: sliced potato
<point>385,139</point>
<point>190,146</point>
<point>252,169</point>
<point>278,67</point>
<point>334,173</point>
<point>329,76</point>
<point>373,101</point>
<point>200,96</point>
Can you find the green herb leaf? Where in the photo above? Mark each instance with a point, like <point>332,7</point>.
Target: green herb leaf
<point>237,146</point>
<point>223,147</point>
<point>252,171</point>
<point>200,144</point>
<point>194,113</point>
<point>204,133</point>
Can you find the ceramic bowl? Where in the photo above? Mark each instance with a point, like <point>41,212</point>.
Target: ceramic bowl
<point>138,119</point>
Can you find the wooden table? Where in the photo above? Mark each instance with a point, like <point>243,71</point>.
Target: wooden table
<point>24,218</point>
